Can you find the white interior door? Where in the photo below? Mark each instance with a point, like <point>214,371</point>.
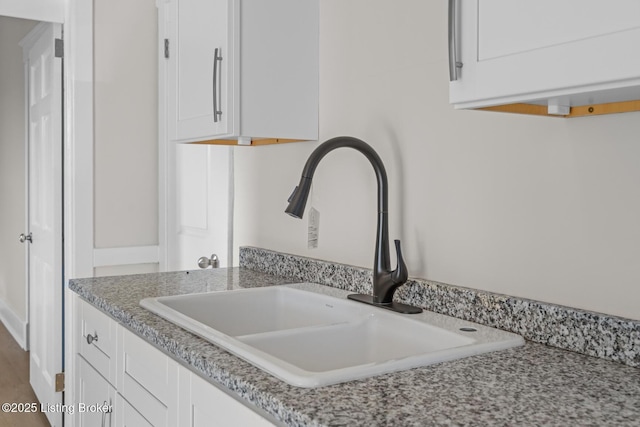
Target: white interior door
<point>201,204</point>
<point>45,216</point>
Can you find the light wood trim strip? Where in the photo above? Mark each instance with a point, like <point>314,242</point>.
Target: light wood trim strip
<point>579,111</point>
<point>611,108</point>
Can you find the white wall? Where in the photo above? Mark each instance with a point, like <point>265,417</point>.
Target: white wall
<point>12,167</point>
<point>126,142</point>
<point>534,207</point>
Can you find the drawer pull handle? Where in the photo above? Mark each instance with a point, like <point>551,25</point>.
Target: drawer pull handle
<point>92,338</point>
<point>108,411</point>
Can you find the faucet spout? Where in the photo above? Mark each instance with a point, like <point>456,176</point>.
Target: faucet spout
<point>385,281</point>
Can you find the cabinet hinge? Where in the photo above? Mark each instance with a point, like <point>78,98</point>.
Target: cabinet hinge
<point>60,382</point>
<point>59,48</point>
<point>166,48</point>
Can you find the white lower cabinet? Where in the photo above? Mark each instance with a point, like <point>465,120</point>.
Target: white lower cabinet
<point>148,389</point>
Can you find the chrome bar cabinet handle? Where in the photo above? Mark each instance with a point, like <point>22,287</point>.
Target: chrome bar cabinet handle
<point>454,64</point>
<point>217,85</point>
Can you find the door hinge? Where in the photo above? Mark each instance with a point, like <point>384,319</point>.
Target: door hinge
<point>59,48</point>
<point>166,48</point>
<point>60,382</point>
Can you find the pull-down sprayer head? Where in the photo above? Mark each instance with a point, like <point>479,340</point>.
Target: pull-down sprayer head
<point>298,199</point>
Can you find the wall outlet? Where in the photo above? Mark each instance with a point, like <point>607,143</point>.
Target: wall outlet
<point>313,230</point>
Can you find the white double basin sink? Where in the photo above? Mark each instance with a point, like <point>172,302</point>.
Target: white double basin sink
<point>309,339</point>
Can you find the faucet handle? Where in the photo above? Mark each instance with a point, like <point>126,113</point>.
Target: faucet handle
<point>400,274</point>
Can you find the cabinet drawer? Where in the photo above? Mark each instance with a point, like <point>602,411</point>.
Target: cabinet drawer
<point>147,379</point>
<point>98,340</point>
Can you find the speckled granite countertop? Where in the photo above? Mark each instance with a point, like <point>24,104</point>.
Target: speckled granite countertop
<point>531,385</point>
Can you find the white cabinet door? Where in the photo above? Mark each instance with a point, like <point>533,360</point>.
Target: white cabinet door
<point>95,397</point>
<point>516,51</point>
<point>200,65</point>
<point>202,405</point>
<point>127,416</point>
<point>147,379</point>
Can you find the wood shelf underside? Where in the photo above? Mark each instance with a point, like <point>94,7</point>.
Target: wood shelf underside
<point>579,111</point>
<point>519,108</point>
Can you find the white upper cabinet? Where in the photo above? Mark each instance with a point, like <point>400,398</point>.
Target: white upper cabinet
<point>242,70</point>
<point>200,67</point>
<point>555,54</point>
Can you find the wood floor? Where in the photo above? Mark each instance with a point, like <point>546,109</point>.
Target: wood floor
<point>14,384</point>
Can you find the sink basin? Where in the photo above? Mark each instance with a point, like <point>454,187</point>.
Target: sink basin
<point>309,339</point>
<point>254,311</point>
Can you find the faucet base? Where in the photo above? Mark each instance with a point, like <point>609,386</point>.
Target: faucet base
<point>393,306</point>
